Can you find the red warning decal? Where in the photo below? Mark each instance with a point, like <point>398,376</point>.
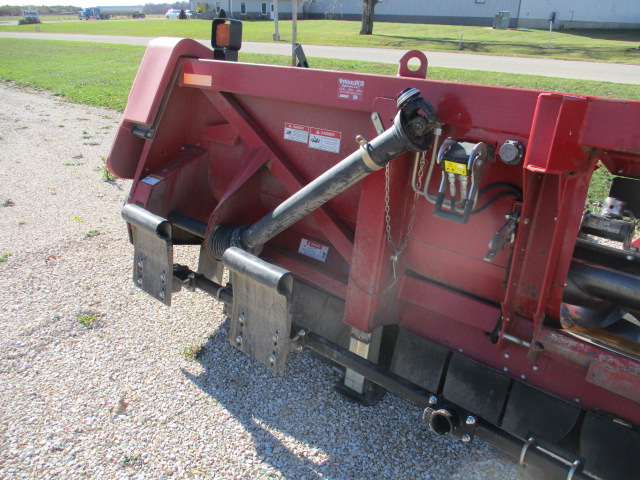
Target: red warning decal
<point>327,140</point>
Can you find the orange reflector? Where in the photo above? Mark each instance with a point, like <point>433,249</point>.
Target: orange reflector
<point>195,79</point>
<point>223,35</point>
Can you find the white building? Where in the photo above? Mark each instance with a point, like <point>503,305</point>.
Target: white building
<point>523,13</point>
<point>248,9</point>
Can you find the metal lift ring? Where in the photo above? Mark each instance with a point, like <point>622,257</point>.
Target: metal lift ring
<point>525,447</point>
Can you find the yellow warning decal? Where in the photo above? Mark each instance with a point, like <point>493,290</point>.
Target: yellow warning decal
<point>457,168</point>
<point>195,79</point>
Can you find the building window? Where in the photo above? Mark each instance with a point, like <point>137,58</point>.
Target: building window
<point>264,8</point>
<point>218,7</point>
<point>243,8</point>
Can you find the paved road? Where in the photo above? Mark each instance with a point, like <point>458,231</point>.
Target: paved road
<point>603,72</point>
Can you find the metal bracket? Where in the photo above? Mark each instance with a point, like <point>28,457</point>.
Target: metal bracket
<point>152,252</point>
<point>445,419</point>
<point>262,308</point>
<point>530,441</point>
<point>574,467</point>
<point>143,131</point>
<point>364,153</point>
<point>503,237</point>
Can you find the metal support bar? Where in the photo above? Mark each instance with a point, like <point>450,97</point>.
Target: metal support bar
<point>187,223</point>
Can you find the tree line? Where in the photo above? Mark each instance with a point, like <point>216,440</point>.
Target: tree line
<point>149,8</point>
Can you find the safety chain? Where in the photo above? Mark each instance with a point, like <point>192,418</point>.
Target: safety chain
<point>387,218</point>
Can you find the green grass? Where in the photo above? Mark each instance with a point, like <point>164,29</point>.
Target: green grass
<point>62,68</point>
<point>193,353</point>
<point>88,320</point>
<point>106,175</point>
<point>66,69</point>
<point>4,256</point>
<point>619,46</point>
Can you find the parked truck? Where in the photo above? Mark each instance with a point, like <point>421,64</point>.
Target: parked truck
<point>430,237</point>
<point>104,13</point>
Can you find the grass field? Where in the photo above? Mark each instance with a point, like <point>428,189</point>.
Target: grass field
<point>619,46</point>
<point>102,74</point>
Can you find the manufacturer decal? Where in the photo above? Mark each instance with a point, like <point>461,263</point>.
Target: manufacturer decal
<point>313,249</point>
<point>350,89</point>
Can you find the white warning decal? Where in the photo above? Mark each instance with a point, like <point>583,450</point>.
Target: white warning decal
<point>327,140</point>
<point>350,89</point>
<point>313,250</point>
<point>296,133</point>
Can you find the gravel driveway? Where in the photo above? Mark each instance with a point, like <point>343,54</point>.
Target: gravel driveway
<point>120,398</point>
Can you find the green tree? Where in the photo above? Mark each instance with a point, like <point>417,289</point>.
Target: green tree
<point>202,7</point>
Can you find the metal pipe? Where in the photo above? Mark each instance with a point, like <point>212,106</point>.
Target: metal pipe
<point>411,131</point>
<point>187,223</point>
<point>444,421</point>
<point>586,281</point>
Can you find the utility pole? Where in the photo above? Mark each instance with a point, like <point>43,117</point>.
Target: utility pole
<point>294,30</point>
<point>276,33</point>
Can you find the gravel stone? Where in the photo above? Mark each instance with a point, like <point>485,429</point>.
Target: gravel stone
<point>117,398</point>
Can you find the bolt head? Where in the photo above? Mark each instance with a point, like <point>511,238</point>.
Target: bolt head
<point>466,438</point>
<point>299,348</point>
<point>535,368</point>
<point>140,263</point>
<point>433,400</point>
<point>275,337</point>
<point>506,355</point>
<point>162,294</point>
<point>241,318</point>
<point>239,339</point>
<point>139,280</point>
<point>272,359</point>
<point>471,420</point>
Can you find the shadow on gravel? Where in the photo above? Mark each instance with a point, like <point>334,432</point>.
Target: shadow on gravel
<point>260,401</point>
<point>302,428</point>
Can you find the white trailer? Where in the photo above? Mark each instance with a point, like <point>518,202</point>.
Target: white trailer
<point>106,12</point>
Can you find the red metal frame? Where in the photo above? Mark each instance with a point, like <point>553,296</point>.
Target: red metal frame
<point>236,166</point>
